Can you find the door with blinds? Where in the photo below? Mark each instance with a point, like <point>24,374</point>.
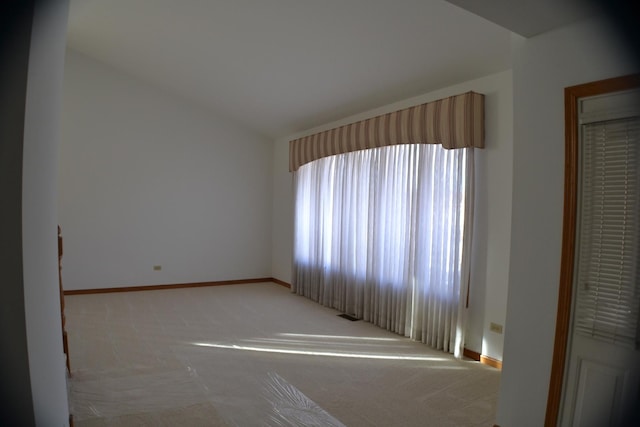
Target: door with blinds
<point>602,376</point>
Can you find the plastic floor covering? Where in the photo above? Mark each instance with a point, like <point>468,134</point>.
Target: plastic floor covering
<point>257,355</point>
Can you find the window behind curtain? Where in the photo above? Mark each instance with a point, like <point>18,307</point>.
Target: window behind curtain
<point>379,234</point>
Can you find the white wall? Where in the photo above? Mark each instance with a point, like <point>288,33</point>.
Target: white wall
<point>150,179</point>
<point>543,67</point>
<point>39,228</point>
<point>492,213</point>
<point>282,226</point>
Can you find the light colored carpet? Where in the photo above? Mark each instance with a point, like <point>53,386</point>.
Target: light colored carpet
<point>255,354</point>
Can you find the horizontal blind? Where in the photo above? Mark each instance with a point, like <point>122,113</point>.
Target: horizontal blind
<point>608,299</point>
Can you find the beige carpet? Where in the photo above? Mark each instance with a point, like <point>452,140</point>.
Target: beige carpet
<point>257,355</point>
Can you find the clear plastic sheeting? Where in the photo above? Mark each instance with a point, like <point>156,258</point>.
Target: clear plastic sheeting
<point>117,393</point>
<point>257,355</point>
<point>144,397</point>
<point>195,415</point>
<point>292,408</point>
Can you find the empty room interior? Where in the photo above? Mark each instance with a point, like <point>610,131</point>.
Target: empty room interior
<point>223,258</point>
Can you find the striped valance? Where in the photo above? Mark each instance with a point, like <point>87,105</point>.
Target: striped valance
<point>454,122</point>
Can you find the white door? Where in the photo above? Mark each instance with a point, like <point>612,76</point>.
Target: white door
<point>602,370</point>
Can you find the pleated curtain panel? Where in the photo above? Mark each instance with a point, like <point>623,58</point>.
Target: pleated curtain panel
<point>383,218</point>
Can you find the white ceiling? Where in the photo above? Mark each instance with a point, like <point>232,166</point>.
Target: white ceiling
<point>529,18</point>
<point>282,66</point>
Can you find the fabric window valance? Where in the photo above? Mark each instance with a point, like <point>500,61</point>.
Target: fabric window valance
<point>453,122</point>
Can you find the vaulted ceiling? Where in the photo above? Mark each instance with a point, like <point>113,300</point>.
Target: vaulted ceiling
<point>282,66</point>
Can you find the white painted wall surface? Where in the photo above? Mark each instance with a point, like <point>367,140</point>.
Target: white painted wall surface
<point>492,213</point>
<point>492,238</point>
<point>282,252</point>
<point>150,179</point>
<point>39,225</point>
<point>543,67</point>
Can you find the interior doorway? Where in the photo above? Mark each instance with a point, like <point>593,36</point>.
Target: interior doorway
<point>595,373</point>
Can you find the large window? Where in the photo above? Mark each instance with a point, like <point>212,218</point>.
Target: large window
<point>383,234</point>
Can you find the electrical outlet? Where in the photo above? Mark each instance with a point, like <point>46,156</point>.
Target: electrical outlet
<point>495,328</point>
<point>157,267</point>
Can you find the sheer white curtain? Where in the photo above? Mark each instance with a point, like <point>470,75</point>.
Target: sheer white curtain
<point>384,234</point>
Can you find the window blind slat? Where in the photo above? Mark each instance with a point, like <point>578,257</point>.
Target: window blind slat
<point>608,300</point>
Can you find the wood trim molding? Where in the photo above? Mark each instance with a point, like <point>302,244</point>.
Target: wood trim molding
<point>486,360</point>
<point>567,256</point>
<point>471,354</point>
<point>281,282</point>
<point>565,292</point>
<point>170,286</point>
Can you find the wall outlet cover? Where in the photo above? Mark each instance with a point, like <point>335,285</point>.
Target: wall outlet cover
<point>495,328</point>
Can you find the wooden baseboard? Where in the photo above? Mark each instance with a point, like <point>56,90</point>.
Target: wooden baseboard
<point>281,282</point>
<point>171,286</point>
<point>491,361</point>
<point>471,354</point>
<point>486,360</point>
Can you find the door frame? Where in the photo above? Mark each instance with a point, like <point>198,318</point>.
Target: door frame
<point>572,95</point>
